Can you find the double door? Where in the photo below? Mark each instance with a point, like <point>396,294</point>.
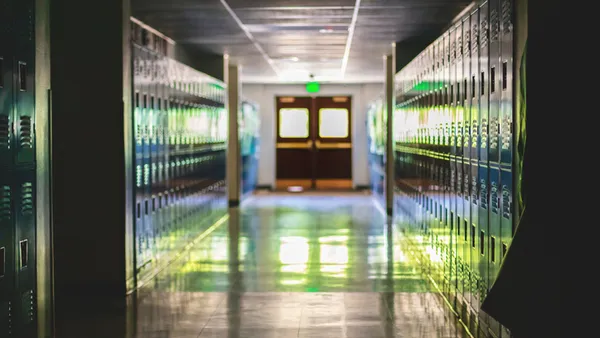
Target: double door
<point>314,142</point>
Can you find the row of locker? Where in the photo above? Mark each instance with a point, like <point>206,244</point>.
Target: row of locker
<point>249,126</point>
<point>17,169</point>
<point>154,68</point>
<point>376,138</point>
<point>180,154</point>
<point>453,133</point>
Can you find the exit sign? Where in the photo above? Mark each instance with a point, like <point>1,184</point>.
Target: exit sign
<point>313,87</point>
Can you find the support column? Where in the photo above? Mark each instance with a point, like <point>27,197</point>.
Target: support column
<point>234,90</point>
<point>89,168</point>
<point>390,71</point>
<point>42,147</point>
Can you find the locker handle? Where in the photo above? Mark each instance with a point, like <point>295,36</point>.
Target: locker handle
<point>2,262</point>
<point>24,253</point>
<point>22,76</point>
<point>1,72</point>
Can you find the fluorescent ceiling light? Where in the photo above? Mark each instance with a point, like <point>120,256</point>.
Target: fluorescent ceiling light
<point>350,36</point>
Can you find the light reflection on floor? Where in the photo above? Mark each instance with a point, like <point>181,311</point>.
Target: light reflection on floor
<point>294,265</point>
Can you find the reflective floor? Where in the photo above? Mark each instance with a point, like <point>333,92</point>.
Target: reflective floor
<point>294,265</point>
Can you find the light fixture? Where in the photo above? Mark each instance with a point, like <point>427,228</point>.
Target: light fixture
<point>325,30</point>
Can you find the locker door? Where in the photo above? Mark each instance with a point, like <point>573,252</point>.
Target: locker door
<point>24,82</point>
<point>482,231</point>
<point>494,142</point>
<point>464,211</point>
<point>6,89</point>
<point>506,125</point>
<point>450,163</point>
<point>24,211</point>
<point>7,251</point>
<point>471,227</point>
<point>139,224</point>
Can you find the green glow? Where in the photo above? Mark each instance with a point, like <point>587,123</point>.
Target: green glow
<point>313,87</point>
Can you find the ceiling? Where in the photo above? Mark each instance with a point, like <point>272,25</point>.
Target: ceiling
<point>278,41</point>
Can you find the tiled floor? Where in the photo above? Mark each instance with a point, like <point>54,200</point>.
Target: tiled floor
<point>294,265</point>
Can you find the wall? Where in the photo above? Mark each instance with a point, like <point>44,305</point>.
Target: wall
<point>264,96</point>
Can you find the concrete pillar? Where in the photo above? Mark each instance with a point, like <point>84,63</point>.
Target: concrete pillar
<point>234,90</point>
<point>90,119</point>
<point>390,99</point>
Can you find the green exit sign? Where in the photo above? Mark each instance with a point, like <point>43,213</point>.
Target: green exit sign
<point>313,87</point>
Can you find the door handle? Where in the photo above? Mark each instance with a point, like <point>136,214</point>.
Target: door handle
<point>337,145</point>
<point>295,145</point>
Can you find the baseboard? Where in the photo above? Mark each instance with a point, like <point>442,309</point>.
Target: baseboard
<point>362,187</point>
<point>264,187</point>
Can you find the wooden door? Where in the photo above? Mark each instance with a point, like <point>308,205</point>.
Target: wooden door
<point>333,142</point>
<point>314,147</point>
<point>295,154</point>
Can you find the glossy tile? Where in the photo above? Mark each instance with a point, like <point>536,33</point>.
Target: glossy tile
<point>294,265</point>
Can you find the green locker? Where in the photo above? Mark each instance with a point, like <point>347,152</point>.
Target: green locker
<point>465,212</point>
<point>482,231</point>
<point>494,89</point>
<point>7,253</point>
<point>471,226</point>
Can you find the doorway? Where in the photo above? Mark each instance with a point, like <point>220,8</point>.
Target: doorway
<point>314,142</point>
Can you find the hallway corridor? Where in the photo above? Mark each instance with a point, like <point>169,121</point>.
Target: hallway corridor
<point>294,265</point>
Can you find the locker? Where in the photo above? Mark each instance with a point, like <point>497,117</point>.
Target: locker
<point>24,82</point>
<point>24,211</point>
<point>6,100</point>
<point>506,125</point>
<point>493,152</point>
<point>7,252</point>
<point>464,209</point>
<point>171,170</point>
<point>482,231</point>
<point>470,278</point>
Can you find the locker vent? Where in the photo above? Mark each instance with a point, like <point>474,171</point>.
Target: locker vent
<point>495,23</point>
<point>27,198</point>
<point>25,139</point>
<point>5,209</point>
<point>27,306</point>
<point>506,14</point>
<point>5,321</point>
<point>4,132</point>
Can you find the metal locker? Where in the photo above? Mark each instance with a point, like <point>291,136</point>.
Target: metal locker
<point>449,157</point>
<point>457,204</point>
<point>25,243</point>
<point>7,253</point>
<point>506,125</point>
<point>482,231</point>
<point>6,86</point>
<point>24,82</point>
<point>464,219</point>
<point>470,231</point>
<point>493,150</point>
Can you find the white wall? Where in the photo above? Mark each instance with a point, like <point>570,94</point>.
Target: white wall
<point>264,96</point>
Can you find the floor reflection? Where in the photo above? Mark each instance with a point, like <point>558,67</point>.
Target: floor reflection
<point>294,266</point>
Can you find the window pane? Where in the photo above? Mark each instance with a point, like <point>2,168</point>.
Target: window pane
<point>333,122</point>
<point>293,123</point>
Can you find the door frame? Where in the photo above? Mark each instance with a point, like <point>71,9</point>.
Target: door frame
<point>313,134</point>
